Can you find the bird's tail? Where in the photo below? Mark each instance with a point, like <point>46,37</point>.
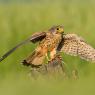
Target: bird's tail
<point>34,59</point>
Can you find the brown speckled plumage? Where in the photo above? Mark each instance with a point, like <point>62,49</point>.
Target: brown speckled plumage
<point>54,40</point>
<point>76,46</point>
<point>48,44</point>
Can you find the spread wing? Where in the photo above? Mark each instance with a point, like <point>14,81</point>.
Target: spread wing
<point>34,38</point>
<point>76,46</point>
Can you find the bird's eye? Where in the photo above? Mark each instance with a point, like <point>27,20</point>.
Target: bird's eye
<point>57,28</point>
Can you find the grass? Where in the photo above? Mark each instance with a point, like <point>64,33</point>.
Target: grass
<point>19,20</point>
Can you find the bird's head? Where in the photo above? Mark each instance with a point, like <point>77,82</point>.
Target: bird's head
<point>57,29</point>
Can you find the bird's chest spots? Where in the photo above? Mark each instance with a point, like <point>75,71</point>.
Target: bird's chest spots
<point>52,42</point>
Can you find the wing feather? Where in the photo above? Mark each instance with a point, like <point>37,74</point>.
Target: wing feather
<point>76,46</point>
<point>34,38</point>
<point>37,37</point>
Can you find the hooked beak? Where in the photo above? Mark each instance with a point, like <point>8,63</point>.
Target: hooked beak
<point>61,30</point>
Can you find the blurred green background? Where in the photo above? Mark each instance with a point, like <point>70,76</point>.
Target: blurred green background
<point>19,19</point>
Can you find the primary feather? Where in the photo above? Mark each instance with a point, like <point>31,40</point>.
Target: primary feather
<point>36,37</point>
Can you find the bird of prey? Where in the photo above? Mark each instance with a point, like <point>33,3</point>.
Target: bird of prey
<point>48,43</point>
<point>54,40</point>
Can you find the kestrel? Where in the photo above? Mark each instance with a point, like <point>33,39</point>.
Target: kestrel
<point>52,42</point>
<point>48,43</point>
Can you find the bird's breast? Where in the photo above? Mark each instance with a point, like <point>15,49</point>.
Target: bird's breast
<point>52,42</point>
